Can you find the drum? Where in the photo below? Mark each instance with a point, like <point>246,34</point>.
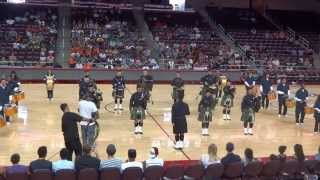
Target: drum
<point>2,122</point>
<point>10,110</point>
<point>290,103</point>
<point>272,96</point>
<point>50,83</point>
<point>308,110</point>
<point>19,96</point>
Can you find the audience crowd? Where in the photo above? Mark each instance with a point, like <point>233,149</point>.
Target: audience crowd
<point>28,37</point>
<point>90,159</point>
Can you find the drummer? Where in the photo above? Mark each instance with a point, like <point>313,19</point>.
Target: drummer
<point>250,81</point>
<point>265,89</point>
<point>4,97</point>
<point>283,94</point>
<point>209,81</point>
<point>301,98</point>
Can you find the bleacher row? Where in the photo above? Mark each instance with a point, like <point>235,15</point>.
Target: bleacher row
<point>270,170</point>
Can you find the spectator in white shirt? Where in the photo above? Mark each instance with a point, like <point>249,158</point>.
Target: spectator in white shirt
<point>111,161</point>
<point>64,163</point>
<point>154,160</point>
<point>132,154</point>
<point>211,157</point>
<point>89,112</point>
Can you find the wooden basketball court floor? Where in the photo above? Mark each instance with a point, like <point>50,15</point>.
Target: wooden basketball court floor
<point>43,127</point>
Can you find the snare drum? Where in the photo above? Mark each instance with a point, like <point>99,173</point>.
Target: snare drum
<point>19,96</point>
<point>272,96</point>
<point>10,110</point>
<point>290,103</point>
<point>308,110</point>
<point>2,122</point>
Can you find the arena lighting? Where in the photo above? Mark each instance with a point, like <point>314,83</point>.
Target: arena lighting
<point>16,1</point>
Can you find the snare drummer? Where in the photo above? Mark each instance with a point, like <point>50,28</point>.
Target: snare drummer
<point>265,89</point>
<point>50,79</point>
<point>4,97</point>
<point>317,115</point>
<point>301,98</point>
<point>137,106</point>
<point>209,81</point>
<point>177,86</point>
<point>283,94</point>
<point>118,86</point>
<point>250,81</point>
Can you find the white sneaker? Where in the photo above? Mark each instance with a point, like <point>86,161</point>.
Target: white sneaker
<point>136,130</point>
<point>228,117</point>
<point>181,144</point>
<point>140,130</point>
<point>297,124</point>
<point>202,132</point>
<point>224,117</point>
<point>116,107</point>
<point>120,106</point>
<point>245,131</point>
<point>207,132</point>
<point>250,131</point>
<point>279,115</point>
<point>177,145</point>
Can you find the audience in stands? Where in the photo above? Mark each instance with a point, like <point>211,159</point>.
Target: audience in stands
<point>87,160</point>
<point>41,163</point>
<point>282,156</point>
<point>230,157</point>
<point>248,156</point>
<point>63,163</point>
<point>131,162</point>
<point>154,159</point>
<point>111,161</point>
<point>211,157</point>
<point>16,167</point>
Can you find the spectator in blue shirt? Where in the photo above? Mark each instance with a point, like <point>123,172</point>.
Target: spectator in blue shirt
<point>63,163</point>
<point>16,167</point>
<point>111,161</point>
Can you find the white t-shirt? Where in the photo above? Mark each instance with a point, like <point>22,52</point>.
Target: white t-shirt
<point>86,108</point>
<point>131,164</point>
<point>154,162</point>
<point>206,161</point>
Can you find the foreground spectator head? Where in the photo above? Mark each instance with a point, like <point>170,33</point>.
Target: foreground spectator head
<point>282,149</point>
<point>64,154</point>
<point>230,147</point>
<point>248,154</point>
<point>132,154</point>
<point>154,152</point>
<point>15,158</point>
<point>42,152</point>
<point>212,150</point>
<point>298,152</point>
<point>111,150</point>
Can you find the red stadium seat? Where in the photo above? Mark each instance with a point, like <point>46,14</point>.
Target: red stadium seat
<point>233,170</point>
<point>175,172</point>
<point>153,173</point>
<point>17,176</point>
<point>270,170</point>
<point>88,173</point>
<point>214,171</point>
<point>252,170</point>
<point>65,174</point>
<point>132,173</point>
<point>41,175</point>
<point>194,172</point>
<point>110,174</point>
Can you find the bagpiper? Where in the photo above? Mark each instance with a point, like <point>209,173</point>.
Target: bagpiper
<point>50,79</point>
<point>248,112</point>
<point>249,81</point>
<point>209,81</point>
<point>205,108</point>
<point>177,86</point>
<point>84,85</point>
<point>146,81</point>
<point>227,100</point>
<point>137,106</point>
<point>118,87</point>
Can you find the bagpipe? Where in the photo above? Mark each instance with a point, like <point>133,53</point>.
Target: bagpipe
<point>50,82</point>
<point>222,82</point>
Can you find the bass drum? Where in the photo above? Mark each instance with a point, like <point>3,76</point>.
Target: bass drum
<point>308,110</point>
<point>290,103</point>
<point>2,122</point>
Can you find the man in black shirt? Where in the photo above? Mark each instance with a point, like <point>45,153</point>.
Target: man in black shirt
<point>70,131</point>
<point>230,157</point>
<point>86,160</point>
<point>41,163</point>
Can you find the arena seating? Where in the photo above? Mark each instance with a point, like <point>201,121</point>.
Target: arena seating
<point>27,36</point>
<point>264,170</point>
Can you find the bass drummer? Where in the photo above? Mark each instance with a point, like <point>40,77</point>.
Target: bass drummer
<point>209,81</point>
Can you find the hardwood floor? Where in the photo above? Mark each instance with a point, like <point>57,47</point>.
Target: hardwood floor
<point>43,127</point>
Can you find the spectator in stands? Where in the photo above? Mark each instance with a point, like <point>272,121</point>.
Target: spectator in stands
<point>154,160</point>
<point>211,157</point>
<point>282,156</point>
<point>273,157</point>
<point>298,152</point>
<point>41,163</point>
<point>317,156</point>
<point>16,167</point>
<point>248,156</point>
<point>131,162</point>
<point>87,160</point>
<point>111,160</point>
<point>63,163</point>
<point>230,157</point>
